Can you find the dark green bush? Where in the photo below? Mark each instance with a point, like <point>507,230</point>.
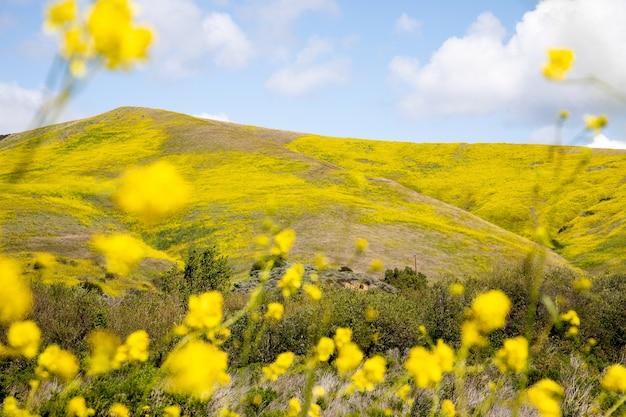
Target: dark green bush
<point>406,279</point>
<point>205,270</point>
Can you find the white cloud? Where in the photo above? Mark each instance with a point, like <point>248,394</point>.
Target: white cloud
<point>407,24</point>
<point>226,41</point>
<point>307,73</point>
<point>17,106</point>
<point>484,71</point>
<point>186,35</point>
<point>601,141</point>
<point>220,117</point>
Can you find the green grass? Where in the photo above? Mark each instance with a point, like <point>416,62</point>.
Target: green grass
<point>463,209</point>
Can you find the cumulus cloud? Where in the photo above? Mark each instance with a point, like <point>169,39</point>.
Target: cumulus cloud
<point>309,71</point>
<point>220,117</point>
<point>486,71</point>
<point>186,35</point>
<point>601,141</point>
<point>407,24</point>
<point>17,106</point>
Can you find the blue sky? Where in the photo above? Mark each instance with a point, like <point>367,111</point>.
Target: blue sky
<point>450,70</point>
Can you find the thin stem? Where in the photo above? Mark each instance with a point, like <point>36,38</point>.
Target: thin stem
<point>617,405</point>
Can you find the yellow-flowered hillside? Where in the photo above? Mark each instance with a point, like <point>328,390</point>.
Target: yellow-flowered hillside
<point>462,209</point>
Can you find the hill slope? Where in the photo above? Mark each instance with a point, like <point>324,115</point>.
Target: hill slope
<point>330,190</point>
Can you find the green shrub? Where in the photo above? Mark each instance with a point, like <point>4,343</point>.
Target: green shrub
<point>406,279</point>
<point>205,270</point>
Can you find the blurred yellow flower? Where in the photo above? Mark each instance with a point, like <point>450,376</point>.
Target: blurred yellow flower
<point>225,412</point>
<point>293,407</point>
<point>361,245</point>
<point>348,358</point>
<point>277,368</point>
<point>513,356</point>
<point>320,261</point>
<point>564,115</point>
<point>447,408</point>
<point>343,335</point>
<point>291,280</point>
<point>119,410</point>
<point>470,335</point>
<point>313,291</point>
<point>16,299</point>
<point>275,311</point>
<point>122,252</point>
<point>614,379</point>
<point>456,289</point>
<point>582,284</point>
<point>77,407</point>
<point>134,349</point>
<point>545,397</point>
<point>152,191</point>
<point>371,313</point>
<point>427,367</point>
<point>10,408</point>
<point>283,242</point>
<point>318,391</point>
<point>596,123</point>
<point>171,411</point>
<point>376,265</point>
<point>56,361</point>
<point>185,376</point>
<point>324,349</point>
<point>61,13</point>
<point>315,410</point>
<point>205,310</point>
<point>490,310</point>
<point>103,349</point>
<point>24,337</point>
<point>404,393</point>
<point>444,355</point>
<point>370,374</point>
<point>571,317</point>
<point>559,63</point>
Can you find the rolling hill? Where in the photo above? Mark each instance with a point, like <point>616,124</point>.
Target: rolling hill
<point>462,209</point>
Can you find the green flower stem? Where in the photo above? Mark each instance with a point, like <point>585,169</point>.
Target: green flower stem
<point>617,405</point>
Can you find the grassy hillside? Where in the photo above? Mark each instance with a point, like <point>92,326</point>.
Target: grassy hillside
<point>330,190</point>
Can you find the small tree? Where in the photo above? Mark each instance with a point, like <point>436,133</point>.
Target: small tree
<point>206,269</point>
<point>405,279</point>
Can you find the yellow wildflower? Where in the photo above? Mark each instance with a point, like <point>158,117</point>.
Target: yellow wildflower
<point>44,260</point>
<point>470,334</point>
<point>320,262</point>
<point>376,265</point>
<point>559,63</point>
<point>185,376</point>
<point>293,407</point>
<point>313,291</point>
<point>283,242</point>
<point>370,374</point>
<point>24,336</point>
<point>513,356</point>
<point>348,358</point>
<point>16,299</point>
<point>447,408</point>
<point>325,347</point>
<point>10,408</point>
<point>614,379</point>
<point>122,252</point>
<point>74,43</point>
<point>77,407</point>
<point>424,367</point>
<point>318,391</point>
<point>205,310</point>
<point>291,280</point>
<point>571,317</point>
<point>371,313</point>
<point>564,115</point>
<point>61,13</point>
<point>171,411</point>
<point>278,368</point>
<point>582,284</point>
<point>56,361</point>
<point>225,412</point>
<point>404,393</point>
<point>275,311</point>
<point>596,123</point>
<point>361,245</point>
<point>545,396</point>
<point>490,310</point>
<point>315,410</point>
<point>343,335</point>
<point>103,349</point>
<point>444,355</point>
<point>456,289</point>
<point>152,191</point>
<point>134,349</point>
<point>119,410</point>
